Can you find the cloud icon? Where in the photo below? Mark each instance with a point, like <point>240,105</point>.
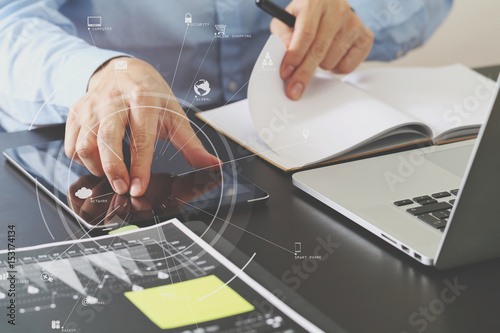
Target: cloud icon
<point>83,193</point>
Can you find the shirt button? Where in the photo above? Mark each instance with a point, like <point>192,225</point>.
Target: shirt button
<point>232,86</point>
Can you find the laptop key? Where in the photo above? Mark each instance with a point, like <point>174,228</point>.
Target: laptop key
<point>422,198</point>
<point>403,202</point>
<point>432,221</point>
<point>452,201</point>
<point>427,202</point>
<point>454,192</point>
<point>441,195</point>
<point>442,214</point>
<point>440,225</point>
<point>428,218</point>
<point>429,208</point>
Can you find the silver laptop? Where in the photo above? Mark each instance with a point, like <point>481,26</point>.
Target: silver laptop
<point>440,204</point>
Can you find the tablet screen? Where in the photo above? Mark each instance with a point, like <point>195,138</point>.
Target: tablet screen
<point>175,189</point>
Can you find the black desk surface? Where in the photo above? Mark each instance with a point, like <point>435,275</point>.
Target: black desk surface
<point>364,285</point>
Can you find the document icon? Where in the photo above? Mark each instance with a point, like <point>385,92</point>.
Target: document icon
<point>120,64</point>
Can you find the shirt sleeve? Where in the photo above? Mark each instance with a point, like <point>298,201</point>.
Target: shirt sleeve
<point>42,61</point>
<point>400,25</point>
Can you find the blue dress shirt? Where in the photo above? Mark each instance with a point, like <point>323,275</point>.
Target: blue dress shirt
<point>50,48</point>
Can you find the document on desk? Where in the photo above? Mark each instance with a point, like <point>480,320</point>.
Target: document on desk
<point>162,278</point>
<point>364,113</point>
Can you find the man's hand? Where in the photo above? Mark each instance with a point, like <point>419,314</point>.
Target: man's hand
<point>328,34</point>
<point>165,195</point>
<point>138,99</point>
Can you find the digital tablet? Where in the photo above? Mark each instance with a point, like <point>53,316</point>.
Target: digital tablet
<point>175,189</point>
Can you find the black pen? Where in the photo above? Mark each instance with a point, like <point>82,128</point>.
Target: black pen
<point>276,11</point>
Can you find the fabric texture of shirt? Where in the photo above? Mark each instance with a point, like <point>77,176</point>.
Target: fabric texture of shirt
<point>49,49</point>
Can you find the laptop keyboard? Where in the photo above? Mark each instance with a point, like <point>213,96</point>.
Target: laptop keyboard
<point>432,209</point>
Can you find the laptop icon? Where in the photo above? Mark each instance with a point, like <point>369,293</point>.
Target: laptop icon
<point>94,21</point>
<point>438,204</point>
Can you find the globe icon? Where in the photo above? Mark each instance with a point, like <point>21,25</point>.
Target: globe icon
<point>202,87</point>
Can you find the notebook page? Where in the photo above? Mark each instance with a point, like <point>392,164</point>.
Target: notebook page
<point>234,121</point>
<point>329,120</point>
<point>445,98</point>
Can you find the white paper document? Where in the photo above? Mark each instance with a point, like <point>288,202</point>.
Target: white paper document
<point>367,111</point>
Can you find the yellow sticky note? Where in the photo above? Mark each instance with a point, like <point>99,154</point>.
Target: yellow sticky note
<point>184,303</point>
<point>123,229</point>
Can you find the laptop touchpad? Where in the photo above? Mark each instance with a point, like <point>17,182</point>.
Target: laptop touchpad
<point>454,160</point>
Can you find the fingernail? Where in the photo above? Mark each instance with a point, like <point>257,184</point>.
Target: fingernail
<point>120,186</point>
<point>287,72</point>
<point>135,187</point>
<point>297,90</point>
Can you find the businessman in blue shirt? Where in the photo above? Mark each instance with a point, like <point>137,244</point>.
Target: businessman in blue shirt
<point>62,54</point>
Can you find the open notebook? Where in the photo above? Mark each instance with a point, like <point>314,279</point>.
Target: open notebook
<point>365,112</point>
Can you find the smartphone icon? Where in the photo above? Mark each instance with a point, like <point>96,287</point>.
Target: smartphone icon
<point>298,247</point>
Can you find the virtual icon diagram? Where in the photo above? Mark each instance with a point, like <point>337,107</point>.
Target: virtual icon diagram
<point>267,62</point>
<point>274,322</point>
<point>83,193</point>
<point>33,290</point>
<point>188,18</point>
<point>202,87</point>
<point>305,133</point>
<point>56,324</point>
<point>94,21</point>
<point>120,65</point>
<point>89,300</point>
<point>298,247</point>
<point>47,277</point>
<point>221,30</point>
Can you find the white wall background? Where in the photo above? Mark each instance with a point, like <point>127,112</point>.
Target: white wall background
<point>470,35</point>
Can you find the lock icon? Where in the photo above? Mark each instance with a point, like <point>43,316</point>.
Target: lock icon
<point>188,18</point>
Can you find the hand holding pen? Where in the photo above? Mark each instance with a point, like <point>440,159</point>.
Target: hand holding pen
<point>324,33</point>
